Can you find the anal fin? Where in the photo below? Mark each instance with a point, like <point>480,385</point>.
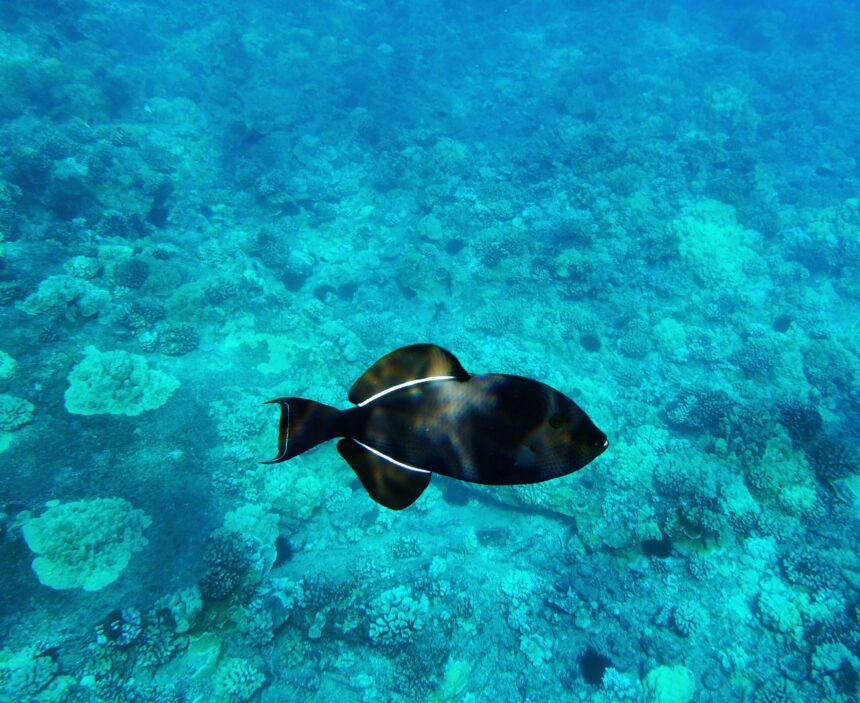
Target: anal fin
<point>387,483</point>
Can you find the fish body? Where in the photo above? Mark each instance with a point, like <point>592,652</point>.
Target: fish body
<point>418,412</point>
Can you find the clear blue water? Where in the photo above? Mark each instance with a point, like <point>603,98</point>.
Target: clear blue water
<point>650,206</point>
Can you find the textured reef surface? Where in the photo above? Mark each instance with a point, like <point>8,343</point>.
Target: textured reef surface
<point>652,206</point>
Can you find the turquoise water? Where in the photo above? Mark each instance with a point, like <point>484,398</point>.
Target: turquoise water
<point>650,206</point>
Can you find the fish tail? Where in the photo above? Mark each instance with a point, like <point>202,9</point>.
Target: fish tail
<point>304,424</point>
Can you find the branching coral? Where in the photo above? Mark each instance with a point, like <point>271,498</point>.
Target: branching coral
<point>688,617</point>
<point>517,590</point>
<point>237,680</point>
<point>702,409</point>
<point>809,567</point>
<point>176,340</point>
<point>396,615</point>
<point>228,561</point>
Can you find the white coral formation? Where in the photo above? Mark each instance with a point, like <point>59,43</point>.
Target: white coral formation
<point>295,493</point>
<point>86,543</point>
<point>25,672</point>
<point>688,617</point>
<point>237,680</point>
<point>117,383</point>
<point>396,615</point>
<point>714,244</point>
<point>85,267</point>
<point>7,366</point>
<point>77,296</point>
<point>667,684</point>
<point>518,590</point>
<point>779,608</point>
<point>253,521</point>
<point>537,648</point>
<point>618,687</point>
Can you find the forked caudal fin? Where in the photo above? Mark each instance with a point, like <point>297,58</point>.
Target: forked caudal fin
<point>304,424</point>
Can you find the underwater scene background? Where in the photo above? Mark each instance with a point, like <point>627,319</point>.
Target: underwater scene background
<point>651,206</point>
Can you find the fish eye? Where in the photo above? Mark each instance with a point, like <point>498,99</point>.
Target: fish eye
<point>556,420</point>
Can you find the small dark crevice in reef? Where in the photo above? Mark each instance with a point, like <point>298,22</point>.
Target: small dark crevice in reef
<point>592,666</point>
<point>660,548</point>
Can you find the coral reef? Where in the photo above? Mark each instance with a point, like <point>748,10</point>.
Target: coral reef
<point>237,680</point>
<point>396,616</point>
<point>85,544</point>
<point>667,684</point>
<point>29,674</point>
<point>228,559</point>
<point>7,366</point>
<point>14,412</point>
<point>117,383</point>
<point>652,206</point>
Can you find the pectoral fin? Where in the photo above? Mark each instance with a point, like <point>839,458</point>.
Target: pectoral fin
<point>389,484</point>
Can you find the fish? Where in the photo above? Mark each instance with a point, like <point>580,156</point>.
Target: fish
<point>417,412</point>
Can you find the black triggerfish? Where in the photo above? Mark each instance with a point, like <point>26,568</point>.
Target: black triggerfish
<point>418,412</point>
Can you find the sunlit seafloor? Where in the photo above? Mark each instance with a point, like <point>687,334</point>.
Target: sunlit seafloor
<point>651,206</point>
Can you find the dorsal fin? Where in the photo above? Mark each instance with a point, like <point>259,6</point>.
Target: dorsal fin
<point>394,486</point>
<point>403,365</point>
